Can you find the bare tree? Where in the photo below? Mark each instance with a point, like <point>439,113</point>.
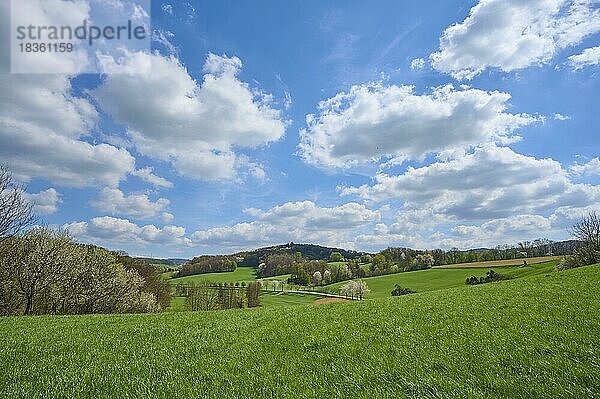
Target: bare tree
<point>16,212</point>
<point>587,230</point>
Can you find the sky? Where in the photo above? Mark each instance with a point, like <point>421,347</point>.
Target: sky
<point>354,124</point>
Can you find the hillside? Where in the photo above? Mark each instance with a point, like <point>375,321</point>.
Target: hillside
<point>309,251</point>
<point>529,337</point>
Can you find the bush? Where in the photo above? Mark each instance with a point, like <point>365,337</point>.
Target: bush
<point>399,291</point>
<point>490,277</point>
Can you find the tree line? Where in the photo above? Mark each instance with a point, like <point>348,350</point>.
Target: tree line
<point>44,271</point>
<point>207,264</point>
<point>207,296</point>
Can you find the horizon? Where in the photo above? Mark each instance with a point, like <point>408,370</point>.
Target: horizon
<point>357,126</point>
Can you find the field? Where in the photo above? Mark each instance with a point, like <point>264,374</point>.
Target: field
<point>497,263</point>
<point>247,274</point>
<point>438,278</point>
<point>529,337</point>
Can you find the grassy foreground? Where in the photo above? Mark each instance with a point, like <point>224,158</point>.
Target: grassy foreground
<point>533,337</point>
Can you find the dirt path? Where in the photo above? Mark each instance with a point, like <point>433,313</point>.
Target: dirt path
<point>329,300</point>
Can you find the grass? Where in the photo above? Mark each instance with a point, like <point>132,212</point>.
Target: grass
<point>163,266</point>
<point>437,279</point>
<point>529,337</point>
<point>497,263</point>
<point>270,300</point>
<point>247,274</point>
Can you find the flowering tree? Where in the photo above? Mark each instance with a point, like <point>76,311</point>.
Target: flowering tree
<point>355,288</point>
<point>317,278</point>
<point>361,288</point>
<point>327,277</point>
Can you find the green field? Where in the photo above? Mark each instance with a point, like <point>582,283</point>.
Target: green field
<point>240,274</point>
<point>270,300</point>
<point>529,337</point>
<point>437,279</point>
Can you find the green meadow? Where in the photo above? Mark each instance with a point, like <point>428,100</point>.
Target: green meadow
<point>437,279</point>
<point>241,274</point>
<point>531,337</point>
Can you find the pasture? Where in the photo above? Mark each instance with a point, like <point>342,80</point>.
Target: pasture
<point>529,337</point>
<point>499,263</point>
<point>246,274</point>
<point>438,278</point>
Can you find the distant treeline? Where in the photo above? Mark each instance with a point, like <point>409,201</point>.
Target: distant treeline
<point>157,261</point>
<point>208,264</point>
<point>308,251</point>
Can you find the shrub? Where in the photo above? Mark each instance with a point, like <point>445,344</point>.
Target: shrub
<point>399,291</point>
<point>490,277</point>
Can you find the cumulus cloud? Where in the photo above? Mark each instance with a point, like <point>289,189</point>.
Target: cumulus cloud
<point>139,206</point>
<point>587,169</point>
<point>374,121</point>
<point>42,126</point>
<point>491,182</point>
<point>313,217</point>
<point>513,34</point>
<point>114,231</point>
<point>195,126</point>
<point>147,175</point>
<point>292,221</point>
<point>45,202</point>
<point>417,63</point>
<point>589,56</point>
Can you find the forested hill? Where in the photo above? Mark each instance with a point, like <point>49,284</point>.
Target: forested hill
<point>308,251</point>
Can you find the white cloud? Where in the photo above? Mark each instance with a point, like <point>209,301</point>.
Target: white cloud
<point>492,182</point>
<point>193,126</point>
<point>513,34</point>
<point>417,63</point>
<point>312,217</point>
<point>561,117</point>
<point>114,231</point>
<point>139,206</point>
<point>41,130</point>
<point>167,8</point>
<point>47,13</point>
<point>588,169</point>
<point>589,56</point>
<point>292,221</point>
<point>167,217</point>
<point>375,121</point>
<point>147,175</point>
<point>45,202</point>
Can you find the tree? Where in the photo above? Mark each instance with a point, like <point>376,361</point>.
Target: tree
<point>35,263</point>
<point>317,278</point>
<point>16,212</point>
<point>348,289</point>
<point>361,288</point>
<point>336,257</point>
<point>399,291</point>
<point>253,294</point>
<point>327,277</point>
<point>44,272</point>
<point>379,262</point>
<point>355,288</point>
<point>366,259</point>
<point>587,231</point>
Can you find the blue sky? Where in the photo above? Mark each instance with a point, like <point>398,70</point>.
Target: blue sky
<point>356,124</point>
